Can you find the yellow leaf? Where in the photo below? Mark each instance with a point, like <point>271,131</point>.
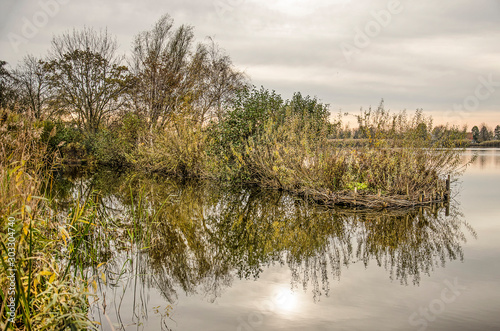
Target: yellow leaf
<point>19,174</point>
<point>64,234</point>
<point>52,278</point>
<point>35,284</point>
<point>94,285</point>
<point>45,273</point>
<point>100,265</point>
<point>103,277</point>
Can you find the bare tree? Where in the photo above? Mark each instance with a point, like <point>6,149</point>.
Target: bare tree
<point>32,83</point>
<point>87,76</point>
<point>173,76</point>
<point>149,48</point>
<point>159,62</point>
<point>220,80</point>
<point>8,94</point>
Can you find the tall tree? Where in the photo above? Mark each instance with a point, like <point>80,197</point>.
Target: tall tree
<point>32,82</point>
<point>152,88</point>
<point>220,81</point>
<point>87,76</point>
<point>497,132</point>
<point>475,133</point>
<point>172,75</point>
<point>484,133</point>
<point>5,85</point>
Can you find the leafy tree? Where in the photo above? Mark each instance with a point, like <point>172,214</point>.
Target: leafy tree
<point>86,76</point>
<point>484,133</point>
<point>475,133</point>
<point>497,132</point>
<point>254,111</point>
<point>309,109</point>
<point>247,116</point>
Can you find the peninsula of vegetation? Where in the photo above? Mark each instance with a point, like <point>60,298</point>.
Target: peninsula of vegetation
<point>181,109</point>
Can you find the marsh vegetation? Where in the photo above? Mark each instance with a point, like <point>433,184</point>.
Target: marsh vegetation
<point>255,169</point>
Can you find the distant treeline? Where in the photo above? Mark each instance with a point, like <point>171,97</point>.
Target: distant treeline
<point>461,136</point>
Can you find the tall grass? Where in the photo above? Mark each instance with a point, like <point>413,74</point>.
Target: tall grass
<point>178,150</point>
<point>46,297</point>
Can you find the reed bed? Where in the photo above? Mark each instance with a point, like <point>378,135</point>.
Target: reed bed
<point>37,247</point>
<point>267,142</point>
<point>398,166</point>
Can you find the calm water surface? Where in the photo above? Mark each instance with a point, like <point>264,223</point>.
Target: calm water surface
<point>219,259</point>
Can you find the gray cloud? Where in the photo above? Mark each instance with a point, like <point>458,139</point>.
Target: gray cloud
<point>430,55</point>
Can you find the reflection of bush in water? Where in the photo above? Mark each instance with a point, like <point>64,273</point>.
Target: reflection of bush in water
<point>200,236</point>
<point>407,245</point>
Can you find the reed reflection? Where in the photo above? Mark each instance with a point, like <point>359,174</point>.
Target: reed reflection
<point>198,238</point>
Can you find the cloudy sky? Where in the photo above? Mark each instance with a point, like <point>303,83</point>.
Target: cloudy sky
<point>442,56</point>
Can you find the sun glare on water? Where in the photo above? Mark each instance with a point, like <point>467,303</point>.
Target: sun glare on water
<point>286,301</point>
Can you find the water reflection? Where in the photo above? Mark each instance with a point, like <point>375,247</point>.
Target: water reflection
<point>487,159</point>
<point>199,238</point>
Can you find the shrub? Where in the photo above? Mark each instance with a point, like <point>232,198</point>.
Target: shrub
<point>116,146</point>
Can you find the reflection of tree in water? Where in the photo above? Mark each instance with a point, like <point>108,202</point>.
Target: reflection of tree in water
<point>496,157</point>
<point>201,237</point>
<point>482,159</point>
<point>406,244</point>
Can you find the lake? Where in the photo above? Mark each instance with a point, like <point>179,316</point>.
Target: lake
<point>195,256</point>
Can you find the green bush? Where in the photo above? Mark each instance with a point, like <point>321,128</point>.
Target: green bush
<point>107,148</point>
<point>258,117</point>
<point>116,146</point>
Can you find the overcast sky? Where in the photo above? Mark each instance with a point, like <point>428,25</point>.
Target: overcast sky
<point>442,56</point>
